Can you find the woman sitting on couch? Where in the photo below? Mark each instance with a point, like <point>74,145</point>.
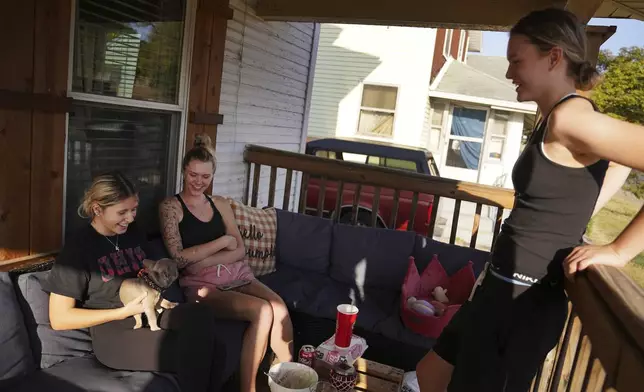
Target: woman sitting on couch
<point>85,281</point>
<point>200,232</point>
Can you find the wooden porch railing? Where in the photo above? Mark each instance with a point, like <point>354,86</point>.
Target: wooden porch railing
<point>602,346</point>
<point>379,177</point>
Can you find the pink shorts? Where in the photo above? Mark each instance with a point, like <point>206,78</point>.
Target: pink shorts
<point>214,276</point>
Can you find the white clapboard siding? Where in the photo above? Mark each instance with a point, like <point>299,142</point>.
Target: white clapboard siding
<point>427,127</point>
<point>263,97</point>
<point>337,72</point>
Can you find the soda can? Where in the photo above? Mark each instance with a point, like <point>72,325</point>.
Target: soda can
<point>306,355</point>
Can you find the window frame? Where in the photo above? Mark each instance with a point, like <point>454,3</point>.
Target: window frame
<point>491,122</point>
<point>379,110</point>
<point>447,44</point>
<point>180,109</point>
<point>461,45</point>
<point>449,136</point>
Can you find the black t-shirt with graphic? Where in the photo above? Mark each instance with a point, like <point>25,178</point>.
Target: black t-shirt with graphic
<point>90,269</point>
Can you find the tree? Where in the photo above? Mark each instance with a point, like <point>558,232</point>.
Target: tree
<point>621,95</point>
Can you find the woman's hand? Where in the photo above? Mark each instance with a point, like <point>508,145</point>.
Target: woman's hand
<point>586,255</point>
<point>136,306</point>
<point>232,242</point>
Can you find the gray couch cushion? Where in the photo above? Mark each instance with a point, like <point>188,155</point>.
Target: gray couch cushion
<point>87,374</point>
<point>393,328</point>
<point>369,257</point>
<point>303,241</point>
<point>16,359</point>
<point>452,257</point>
<point>297,287</point>
<point>319,295</point>
<point>49,347</point>
<point>374,304</point>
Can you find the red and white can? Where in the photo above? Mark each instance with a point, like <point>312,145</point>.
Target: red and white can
<point>306,355</point>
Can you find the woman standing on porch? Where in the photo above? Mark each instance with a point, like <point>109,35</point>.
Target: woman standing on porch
<point>574,162</point>
<point>200,232</point>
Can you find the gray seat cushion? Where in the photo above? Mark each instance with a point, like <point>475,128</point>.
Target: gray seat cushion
<point>393,328</point>
<point>303,241</point>
<point>370,257</point>
<point>16,359</point>
<point>49,347</point>
<point>87,374</point>
<point>297,287</point>
<point>319,295</point>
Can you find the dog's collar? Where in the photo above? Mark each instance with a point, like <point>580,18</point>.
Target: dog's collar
<point>145,277</point>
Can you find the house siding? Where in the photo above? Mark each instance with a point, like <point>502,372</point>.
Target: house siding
<point>337,71</point>
<point>427,126</point>
<point>263,96</point>
<point>350,56</point>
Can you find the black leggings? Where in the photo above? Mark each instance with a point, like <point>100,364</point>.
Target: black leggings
<point>186,346</point>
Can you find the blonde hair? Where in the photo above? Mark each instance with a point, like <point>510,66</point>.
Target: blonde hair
<point>557,27</point>
<point>106,190</point>
<point>202,150</point>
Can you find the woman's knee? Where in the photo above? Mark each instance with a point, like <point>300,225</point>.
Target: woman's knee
<point>280,310</point>
<point>263,312</point>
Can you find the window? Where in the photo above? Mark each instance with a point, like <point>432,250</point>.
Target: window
<point>135,142</point>
<point>438,114</point>
<point>392,163</point>
<point>326,154</point>
<point>377,111</point>
<point>466,138</point>
<point>129,49</point>
<point>447,45</point>
<point>498,134</point>
<point>128,106</point>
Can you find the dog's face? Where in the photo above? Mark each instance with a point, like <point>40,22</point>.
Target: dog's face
<point>162,272</point>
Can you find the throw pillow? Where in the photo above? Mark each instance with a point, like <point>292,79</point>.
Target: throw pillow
<point>258,228</point>
<point>49,346</point>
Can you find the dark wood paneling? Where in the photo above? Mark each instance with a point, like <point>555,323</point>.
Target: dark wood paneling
<point>51,44</point>
<point>18,100</point>
<point>15,151</point>
<point>16,74</point>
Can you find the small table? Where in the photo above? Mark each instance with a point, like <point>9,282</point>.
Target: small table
<point>372,376</point>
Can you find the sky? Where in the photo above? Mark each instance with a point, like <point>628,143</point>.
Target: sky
<point>629,33</point>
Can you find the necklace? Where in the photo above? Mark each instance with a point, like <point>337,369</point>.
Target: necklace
<point>116,246</point>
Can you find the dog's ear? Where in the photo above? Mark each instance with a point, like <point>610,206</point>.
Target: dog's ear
<point>149,264</point>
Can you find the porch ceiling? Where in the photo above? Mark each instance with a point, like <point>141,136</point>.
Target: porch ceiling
<point>470,14</point>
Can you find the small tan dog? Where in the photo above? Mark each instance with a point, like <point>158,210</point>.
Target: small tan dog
<point>153,279</point>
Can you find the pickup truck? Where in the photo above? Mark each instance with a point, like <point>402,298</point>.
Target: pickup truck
<point>372,153</point>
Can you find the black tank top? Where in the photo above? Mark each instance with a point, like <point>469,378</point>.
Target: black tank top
<point>196,232</point>
<point>553,204</point>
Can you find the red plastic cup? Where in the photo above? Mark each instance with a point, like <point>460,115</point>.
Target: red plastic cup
<point>345,320</point>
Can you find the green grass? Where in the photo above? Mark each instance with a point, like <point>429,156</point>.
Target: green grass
<point>608,223</point>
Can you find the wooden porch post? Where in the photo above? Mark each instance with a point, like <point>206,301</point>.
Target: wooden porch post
<point>207,65</point>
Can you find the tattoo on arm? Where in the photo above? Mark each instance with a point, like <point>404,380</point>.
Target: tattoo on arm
<point>169,218</point>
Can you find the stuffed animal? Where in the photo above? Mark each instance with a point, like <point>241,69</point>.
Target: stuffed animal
<point>421,306</point>
<point>440,294</point>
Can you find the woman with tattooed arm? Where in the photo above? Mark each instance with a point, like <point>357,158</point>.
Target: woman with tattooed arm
<point>200,233</point>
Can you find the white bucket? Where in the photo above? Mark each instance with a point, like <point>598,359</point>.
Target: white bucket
<point>292,377</point>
